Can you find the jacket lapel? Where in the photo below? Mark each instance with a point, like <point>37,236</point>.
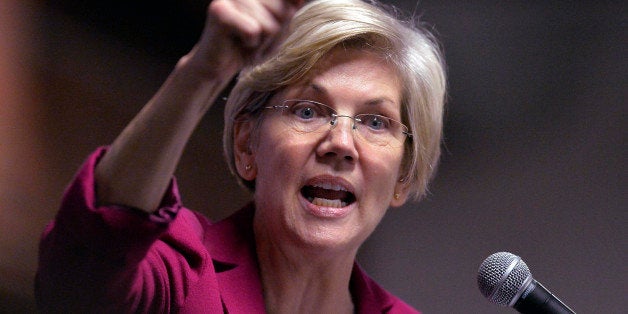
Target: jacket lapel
<point>231,244</point>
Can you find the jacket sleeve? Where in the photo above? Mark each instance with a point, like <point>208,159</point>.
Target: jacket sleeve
<point>95,258</point>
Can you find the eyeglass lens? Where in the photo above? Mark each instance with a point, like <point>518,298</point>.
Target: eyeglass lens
<point>309,116</point>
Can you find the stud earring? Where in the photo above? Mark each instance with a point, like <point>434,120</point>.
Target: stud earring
<point>396,196</point>
<point>248,167</point>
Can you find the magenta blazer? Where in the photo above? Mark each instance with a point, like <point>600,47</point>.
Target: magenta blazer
<point>120,260</point>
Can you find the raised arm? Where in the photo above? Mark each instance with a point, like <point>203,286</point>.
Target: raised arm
<point>141,161</point>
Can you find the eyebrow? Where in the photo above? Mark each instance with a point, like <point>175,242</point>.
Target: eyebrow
<point>317,88</point>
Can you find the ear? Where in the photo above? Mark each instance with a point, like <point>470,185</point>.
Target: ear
<point>243,149</point>
<point>401,192</point>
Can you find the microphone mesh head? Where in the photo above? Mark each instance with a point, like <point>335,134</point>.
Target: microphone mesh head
<point>501,275</point>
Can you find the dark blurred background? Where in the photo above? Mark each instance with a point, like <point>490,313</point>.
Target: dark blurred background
<point>534,154</point>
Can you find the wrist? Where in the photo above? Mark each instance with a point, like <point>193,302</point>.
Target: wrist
<point>196,66</point>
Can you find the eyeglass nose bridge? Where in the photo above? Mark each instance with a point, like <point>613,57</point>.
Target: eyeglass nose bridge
<point>334,120</point>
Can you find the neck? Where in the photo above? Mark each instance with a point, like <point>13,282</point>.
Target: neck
<point>297,281</point>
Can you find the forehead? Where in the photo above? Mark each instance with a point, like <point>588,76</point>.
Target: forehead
<point>353,75</point>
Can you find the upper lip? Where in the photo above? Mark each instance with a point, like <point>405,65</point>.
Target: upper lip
<point>331,182</point>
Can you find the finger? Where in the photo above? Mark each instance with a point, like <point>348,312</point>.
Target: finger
<point>262,14</point>
<point>248,20</point>
<point>235,22</point>
<point>282,10</point>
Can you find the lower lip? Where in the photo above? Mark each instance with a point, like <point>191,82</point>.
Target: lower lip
<point>326,212</point>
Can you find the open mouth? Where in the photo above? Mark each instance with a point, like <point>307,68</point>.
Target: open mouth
<point>327,195</point>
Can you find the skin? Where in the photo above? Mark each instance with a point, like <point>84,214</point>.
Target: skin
<point>311,248</point>
<point>141,161</point>
<point>306,252</point>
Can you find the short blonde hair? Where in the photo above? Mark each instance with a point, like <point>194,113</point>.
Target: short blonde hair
<point>322,25</point>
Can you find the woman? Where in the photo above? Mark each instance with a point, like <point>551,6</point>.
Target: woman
<point>339,119</point>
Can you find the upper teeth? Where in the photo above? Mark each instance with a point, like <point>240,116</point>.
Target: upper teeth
<point>330,186</point>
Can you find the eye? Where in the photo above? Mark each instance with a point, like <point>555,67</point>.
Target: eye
<point>305,112</point>
<point>308,110</point>
<point>375,122</point>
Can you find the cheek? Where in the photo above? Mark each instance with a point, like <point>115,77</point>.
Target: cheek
<point>278,156</point>
<point>383,169</point>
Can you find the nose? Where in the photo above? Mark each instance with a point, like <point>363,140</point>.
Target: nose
<point>339,142</point>
<point>335,117</point>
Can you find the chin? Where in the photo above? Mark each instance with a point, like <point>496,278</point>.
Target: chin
<point>331,228</point>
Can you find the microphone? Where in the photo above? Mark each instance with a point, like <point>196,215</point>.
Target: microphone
<point>504,279</point>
